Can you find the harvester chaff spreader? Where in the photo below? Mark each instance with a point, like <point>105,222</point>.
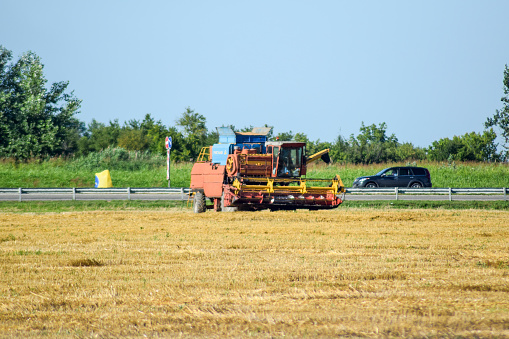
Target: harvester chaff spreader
<point>246,171</point>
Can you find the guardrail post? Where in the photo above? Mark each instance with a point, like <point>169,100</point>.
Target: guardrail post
<point>182,193</point>
<point>450,194</point>
<point>20,191</point>
<point>129,193</point>
<point>396,189</point>
<point>73,193</point>
<point>505,193</point>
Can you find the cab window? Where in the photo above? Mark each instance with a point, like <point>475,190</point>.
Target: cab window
<point>275,154</point>
<point>290,161</point>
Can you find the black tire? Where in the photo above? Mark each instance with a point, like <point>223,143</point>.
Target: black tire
<point>229,208</point>
<point>416,185</point>
<point>199,205</point>
<point>371,184</point>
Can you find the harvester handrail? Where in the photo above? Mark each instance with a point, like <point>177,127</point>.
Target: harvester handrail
<point>204,154</point>
<point>301,179</point>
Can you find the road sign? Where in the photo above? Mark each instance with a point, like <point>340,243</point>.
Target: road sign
<point>167,142</point>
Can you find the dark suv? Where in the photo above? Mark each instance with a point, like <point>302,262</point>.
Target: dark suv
<point>415,177</point>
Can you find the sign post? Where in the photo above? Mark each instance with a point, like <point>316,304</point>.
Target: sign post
<point>167,143</point>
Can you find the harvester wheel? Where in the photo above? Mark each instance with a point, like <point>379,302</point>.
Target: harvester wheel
<point>228,208</point>
<point>199,205</point>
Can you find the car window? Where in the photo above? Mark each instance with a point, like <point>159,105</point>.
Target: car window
<point>404,171</point>
<point>392,172</point>
<point>418,171</point>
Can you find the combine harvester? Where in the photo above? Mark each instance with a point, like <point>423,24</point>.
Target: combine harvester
<point>246,171</point>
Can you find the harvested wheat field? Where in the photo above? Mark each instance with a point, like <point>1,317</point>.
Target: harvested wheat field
<point>346,272</point>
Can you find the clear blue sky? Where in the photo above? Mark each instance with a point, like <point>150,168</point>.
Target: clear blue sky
<point>429,69</point>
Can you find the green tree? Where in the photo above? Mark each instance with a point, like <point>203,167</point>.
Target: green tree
<point>501,117</point>
<point>179,151</point>
<point>407,151</point>
<point>469,147</point>
<point>340,150</point>
<point>243,129</point>
<point>140,136</point>
<point>145,135</point>
<point>212,138</point>
<point>192,123</point>
<point>284,136</point>
<point>34,120</point>
<point>194,129</point>
<point>301,137</point>
<point>373,145</point>
<point>479,147</point>
<point>156,132</point>
<point>133,140</point>
<point>444,149</point>
<point>5,57</point>
<point>99,136</point>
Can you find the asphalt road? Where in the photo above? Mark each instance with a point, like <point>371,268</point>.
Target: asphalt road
<point>430,197</point>
<point>149,196</point>
<point>89,197</point>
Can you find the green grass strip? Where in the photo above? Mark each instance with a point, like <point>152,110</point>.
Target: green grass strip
<point>60,173</point>
<point>424,204</point>
<point>138,205</point>
<point>76,206</point>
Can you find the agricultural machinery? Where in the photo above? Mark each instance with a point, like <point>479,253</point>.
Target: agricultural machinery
<point>246,171</point>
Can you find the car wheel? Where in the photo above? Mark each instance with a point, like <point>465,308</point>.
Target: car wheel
<point>371,185</point>
<point>416,185</point>
<point>199,205</point>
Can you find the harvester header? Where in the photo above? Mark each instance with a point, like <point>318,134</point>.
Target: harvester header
<point>245,170</point>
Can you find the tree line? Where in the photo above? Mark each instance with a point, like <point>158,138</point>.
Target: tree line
<point>37,122</point>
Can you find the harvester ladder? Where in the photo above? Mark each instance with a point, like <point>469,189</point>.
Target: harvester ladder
<point>204,154</point>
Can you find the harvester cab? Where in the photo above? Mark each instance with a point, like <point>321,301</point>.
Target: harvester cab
<point>288,158</point>
<point>245,170</point>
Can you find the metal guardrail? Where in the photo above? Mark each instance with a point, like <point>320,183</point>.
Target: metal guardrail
<point>75,191</point>
<point>129,192</point>
<point>431,191</point>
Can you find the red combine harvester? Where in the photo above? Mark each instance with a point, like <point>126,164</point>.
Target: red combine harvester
<point>245,171</point>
